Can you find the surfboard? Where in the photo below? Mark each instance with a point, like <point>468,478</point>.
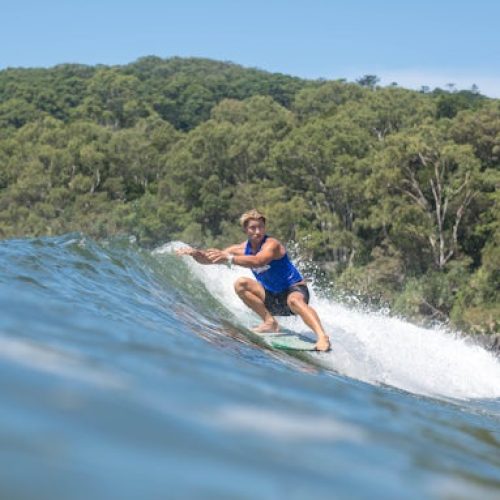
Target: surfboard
<point>289,341</point>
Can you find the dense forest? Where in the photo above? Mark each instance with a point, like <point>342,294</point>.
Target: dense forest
<point>391,192</point>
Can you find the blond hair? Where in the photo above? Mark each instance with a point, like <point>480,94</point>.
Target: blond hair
<point>253,214</point>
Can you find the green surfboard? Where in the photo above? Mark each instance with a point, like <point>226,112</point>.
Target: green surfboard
<point>289,341</point>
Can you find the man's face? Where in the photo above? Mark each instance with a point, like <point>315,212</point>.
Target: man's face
<point>255,230</point>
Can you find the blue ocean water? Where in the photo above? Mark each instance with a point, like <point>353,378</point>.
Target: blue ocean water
<point>129,373</point>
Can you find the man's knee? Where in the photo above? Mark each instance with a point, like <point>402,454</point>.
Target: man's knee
<point>294,302</point>
<point>241,285</point>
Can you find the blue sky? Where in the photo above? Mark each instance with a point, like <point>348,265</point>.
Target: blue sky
<point>413,43</point>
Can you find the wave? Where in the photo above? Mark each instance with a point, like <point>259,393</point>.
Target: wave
<point>178,303</point>
<point>372,347</point>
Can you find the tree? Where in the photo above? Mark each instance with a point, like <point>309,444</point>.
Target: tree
<point>325,99</point>
<point>369,81</point>
<point>113,99</point>
<point>431,181</point>
<point>321,162</point>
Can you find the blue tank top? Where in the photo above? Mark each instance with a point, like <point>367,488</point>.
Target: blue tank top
<point>276,276</point>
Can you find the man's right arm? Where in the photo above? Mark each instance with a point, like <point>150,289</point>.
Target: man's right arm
<point>201,257</point>
<point>198,255</point>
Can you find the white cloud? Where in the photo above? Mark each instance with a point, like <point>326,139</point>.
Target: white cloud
<point>415,79</point>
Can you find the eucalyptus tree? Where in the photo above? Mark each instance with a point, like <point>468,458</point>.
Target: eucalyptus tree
<point>427,183</point>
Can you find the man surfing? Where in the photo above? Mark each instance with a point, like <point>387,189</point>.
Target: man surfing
<point>278,290</point>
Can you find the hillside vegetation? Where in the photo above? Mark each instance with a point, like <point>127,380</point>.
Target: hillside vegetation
<point>392,191</point>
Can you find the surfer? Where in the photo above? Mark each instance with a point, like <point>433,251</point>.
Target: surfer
<point>278,288</point>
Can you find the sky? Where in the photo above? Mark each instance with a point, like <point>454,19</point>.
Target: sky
<point>432,43</point>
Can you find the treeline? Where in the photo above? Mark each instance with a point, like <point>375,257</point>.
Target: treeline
<point>392,191</point>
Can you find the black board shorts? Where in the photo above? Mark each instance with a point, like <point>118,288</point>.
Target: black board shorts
<point>276,302</point>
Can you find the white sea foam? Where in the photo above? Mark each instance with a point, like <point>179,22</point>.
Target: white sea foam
<point>381,349</point>
<point>376,348</point>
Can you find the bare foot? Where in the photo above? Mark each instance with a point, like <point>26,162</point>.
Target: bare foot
<point>267,327</point>
<point>323,344</point>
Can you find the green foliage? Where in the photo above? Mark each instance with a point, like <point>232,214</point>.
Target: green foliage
<point>478,302</point>
<point>380,281</point>
<point>324,99</point>
<point>433,294</point>
<point>393,192</point>
<point>428,182</point>
<point>369,81</point>
<point>16,112</point>
<point>450,103</point>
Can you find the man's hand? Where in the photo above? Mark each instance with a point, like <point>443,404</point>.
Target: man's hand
<point>217,256</point>
<point>185,251</point>
<point>200,256</point>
